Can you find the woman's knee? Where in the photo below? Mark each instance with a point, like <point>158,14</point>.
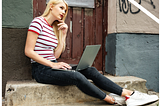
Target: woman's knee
<point>93,70</point>
<point>90,70</point>
<point>80,77</point>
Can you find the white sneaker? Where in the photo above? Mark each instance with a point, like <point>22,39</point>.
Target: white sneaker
<point>118,99</point>
<point>139,98</point>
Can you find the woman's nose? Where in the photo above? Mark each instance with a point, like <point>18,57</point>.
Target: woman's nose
<point>64,12</point>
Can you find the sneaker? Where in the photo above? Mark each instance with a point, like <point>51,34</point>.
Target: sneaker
<point>118,99</point>
<point>139,98</point>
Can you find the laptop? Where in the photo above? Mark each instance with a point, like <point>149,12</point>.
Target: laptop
<point>87,58</point>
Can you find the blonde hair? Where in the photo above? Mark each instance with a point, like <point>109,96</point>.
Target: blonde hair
<point>57,32</point>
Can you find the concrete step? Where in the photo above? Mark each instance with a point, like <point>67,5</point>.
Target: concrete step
<point>31,93</point>
<point>93,103</point>
<point>102,103</point>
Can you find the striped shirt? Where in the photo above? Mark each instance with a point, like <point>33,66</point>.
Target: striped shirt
<point>46,41</point>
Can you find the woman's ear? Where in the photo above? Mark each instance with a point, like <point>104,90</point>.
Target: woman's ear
<point>51,6</point>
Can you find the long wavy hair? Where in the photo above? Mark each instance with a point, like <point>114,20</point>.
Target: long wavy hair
<point>57,32</point>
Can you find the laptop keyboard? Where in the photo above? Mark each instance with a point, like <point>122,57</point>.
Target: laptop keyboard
<point>73,69</point>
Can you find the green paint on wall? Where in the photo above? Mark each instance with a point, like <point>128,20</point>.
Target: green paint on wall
<point>17,13</point>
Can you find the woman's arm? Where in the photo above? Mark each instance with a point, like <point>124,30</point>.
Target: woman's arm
<point>62,26</point>
<point>29,51</point>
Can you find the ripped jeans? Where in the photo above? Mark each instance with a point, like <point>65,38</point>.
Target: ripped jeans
<point>47,75</point>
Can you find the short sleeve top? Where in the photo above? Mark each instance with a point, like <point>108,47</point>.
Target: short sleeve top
<point>46,41</point>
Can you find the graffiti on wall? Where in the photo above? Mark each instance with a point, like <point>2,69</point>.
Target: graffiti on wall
<point>125,6</point>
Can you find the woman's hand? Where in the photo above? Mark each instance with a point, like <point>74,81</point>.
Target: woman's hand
<point>61,65</point>
<point>63,26</point>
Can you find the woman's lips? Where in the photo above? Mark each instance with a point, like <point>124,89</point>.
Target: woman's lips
<point>61,16</point>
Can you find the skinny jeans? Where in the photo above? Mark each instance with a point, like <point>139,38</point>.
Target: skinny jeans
<point>47,75</point>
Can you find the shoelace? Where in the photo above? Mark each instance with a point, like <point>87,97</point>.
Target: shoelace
<point>115,102</point>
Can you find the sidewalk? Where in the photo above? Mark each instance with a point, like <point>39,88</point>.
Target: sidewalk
<point>102,103</point>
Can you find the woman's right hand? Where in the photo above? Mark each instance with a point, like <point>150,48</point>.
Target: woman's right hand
<point>61,65</point>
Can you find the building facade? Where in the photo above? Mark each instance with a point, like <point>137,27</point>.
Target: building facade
<point>132,43</point>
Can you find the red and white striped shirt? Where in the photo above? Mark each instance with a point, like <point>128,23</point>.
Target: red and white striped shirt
<point>46,41</point>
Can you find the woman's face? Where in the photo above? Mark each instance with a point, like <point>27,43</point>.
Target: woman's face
<point>58,11</point>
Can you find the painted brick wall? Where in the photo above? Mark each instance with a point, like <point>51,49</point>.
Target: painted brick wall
<point>134,55</point>
<point>17,13</point>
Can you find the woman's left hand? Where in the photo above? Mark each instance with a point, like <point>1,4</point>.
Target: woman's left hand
<point>63,26</point>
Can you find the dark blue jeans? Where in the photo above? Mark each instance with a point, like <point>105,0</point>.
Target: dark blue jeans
<point>47,75</point>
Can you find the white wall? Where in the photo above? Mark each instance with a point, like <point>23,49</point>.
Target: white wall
<point>119,22</point>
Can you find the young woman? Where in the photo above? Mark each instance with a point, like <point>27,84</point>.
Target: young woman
<point>45,43</point>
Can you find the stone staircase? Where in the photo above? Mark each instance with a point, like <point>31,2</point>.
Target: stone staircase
<point>31,93</point>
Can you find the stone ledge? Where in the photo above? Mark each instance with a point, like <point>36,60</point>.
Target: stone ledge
<point>31,93</point>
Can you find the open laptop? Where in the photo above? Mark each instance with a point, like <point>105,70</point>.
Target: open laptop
<point>87,58</point>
